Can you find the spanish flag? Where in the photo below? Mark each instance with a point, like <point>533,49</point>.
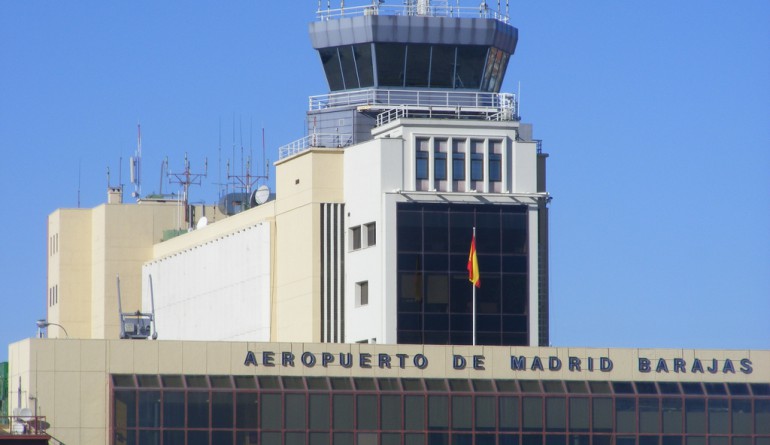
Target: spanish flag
<point>473,265</point>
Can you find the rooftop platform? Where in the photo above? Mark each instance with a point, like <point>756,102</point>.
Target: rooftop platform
<point>415,8</point>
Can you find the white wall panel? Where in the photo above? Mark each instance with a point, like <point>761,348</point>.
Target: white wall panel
<point>219,290</point>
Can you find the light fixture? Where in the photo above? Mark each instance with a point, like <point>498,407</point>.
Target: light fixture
<point>42,324</point>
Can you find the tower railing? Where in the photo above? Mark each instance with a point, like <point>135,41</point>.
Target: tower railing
<point>442,9</point>
<point>323,140</point>
<point>413,98</point>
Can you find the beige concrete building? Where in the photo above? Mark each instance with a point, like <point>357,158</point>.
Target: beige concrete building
<point>88,249</point>
<point>130,392</point>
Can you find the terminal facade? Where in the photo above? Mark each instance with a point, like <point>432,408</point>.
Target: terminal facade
<point>340,310</point>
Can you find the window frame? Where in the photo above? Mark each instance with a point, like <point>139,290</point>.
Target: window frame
<point>362,293</point>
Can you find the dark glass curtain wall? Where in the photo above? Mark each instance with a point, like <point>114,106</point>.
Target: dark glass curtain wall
<point>465,67</point>
<point>434,294</point>
<point>248,410</point>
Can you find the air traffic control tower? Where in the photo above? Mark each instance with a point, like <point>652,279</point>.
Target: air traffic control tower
<point>424,59</point>
<point>430,148</point>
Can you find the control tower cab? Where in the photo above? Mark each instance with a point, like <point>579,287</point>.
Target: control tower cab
<point>421,58</point>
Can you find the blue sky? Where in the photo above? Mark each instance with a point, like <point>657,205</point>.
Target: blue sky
<point>655,116</point>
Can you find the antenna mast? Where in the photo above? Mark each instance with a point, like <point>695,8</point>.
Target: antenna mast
<point>187,178</point>
<point>136,165</point>
<point>246,180</point>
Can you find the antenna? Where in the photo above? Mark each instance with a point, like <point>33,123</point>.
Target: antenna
<point>163,168</point>
<point>79,162</point>
<point>219,158</point>
<point>246,181</point>
<point>136,164</point>
<point>187,178</point>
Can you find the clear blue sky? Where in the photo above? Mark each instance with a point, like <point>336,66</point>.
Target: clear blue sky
<point>655,115</point>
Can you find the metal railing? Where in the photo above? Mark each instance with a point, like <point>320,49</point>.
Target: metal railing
<point>394,114</point>
<point>415,98</point>
<point>23,425</point>
<point>446,9</point>
<point>324,140</point>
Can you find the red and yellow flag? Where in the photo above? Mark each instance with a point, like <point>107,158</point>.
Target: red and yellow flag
<point>473,265</point>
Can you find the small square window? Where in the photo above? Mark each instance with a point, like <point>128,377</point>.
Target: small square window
<point>355,238</point>
<point>362,293</point>
<point>371,234</point>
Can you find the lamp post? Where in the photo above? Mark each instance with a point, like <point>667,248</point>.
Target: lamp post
<point>42,324</point>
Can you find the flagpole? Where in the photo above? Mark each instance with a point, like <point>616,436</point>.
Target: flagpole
<point>473,285</point>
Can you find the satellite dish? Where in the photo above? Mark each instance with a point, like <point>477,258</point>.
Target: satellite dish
<point>203,222</point>
<point>26,415</point>
<point>260,195</point>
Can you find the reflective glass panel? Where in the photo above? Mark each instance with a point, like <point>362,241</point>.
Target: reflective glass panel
<point>222,409</point>
<point>148,381</point>
<point>672,416</point>
<point>390,64</point>
<point>173,409</point>
<point>149,409</point>
<point>485,413</point>
<point>123,381</point>
<point>414,412</point>
<point>578,414</point>
<point>439,166</point>
<point>246,405</point>
<point>625,415</point>
<point>762,416</point>
<point>197,409</point>
<point>295,411</point>
<point>458,166</point>
<point>172,381</point>
<point>271,414</point>
<point>532,410</point>
<point>438,412</point>
<point>602,415</point>
<point>555,414</point>
<point>390,412</point>
<point>422,165</point>
<point>125,409</point>
<point>741,415</point>
<point>417,65</point>
<point>442,66</point>
<point>366,412</point>
<point>718,415</point>
<point>509,413</point>
<point>695,416</point>
<point>319,412</point>
<point>220,438</point>
<point>149,437</point>
<point>470,66</point>
<point>349,74</point>
<point>649,415</point>
<point>343,412</point>
<point>331,63</point>
<point>461,413</point>
<point>363,56</point>
<point>495,167</point>
<point>174,437</point>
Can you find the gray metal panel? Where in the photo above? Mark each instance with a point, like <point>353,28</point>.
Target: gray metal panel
<point>354,127</point>
<point>414,29</point>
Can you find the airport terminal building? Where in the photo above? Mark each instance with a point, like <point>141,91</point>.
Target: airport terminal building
<point>338,310</point>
